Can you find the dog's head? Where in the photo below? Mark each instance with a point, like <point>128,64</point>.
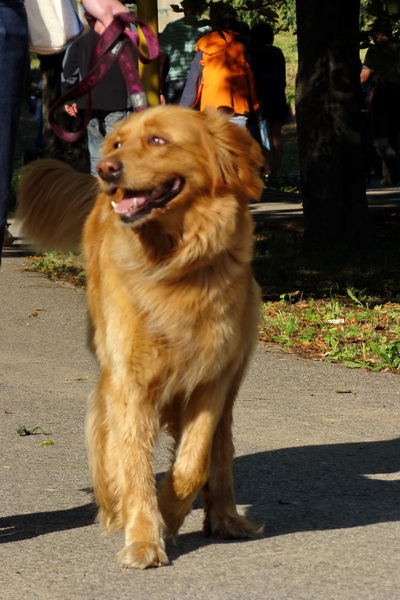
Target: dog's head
<point>161,157</point>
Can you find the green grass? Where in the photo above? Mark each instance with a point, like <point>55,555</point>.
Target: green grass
<point>287,42</point>
<point>339,329</point>
<point>57,265</point>
<point>339,308</point>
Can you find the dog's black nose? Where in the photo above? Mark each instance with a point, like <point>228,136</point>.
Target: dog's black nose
<point>109,170</point>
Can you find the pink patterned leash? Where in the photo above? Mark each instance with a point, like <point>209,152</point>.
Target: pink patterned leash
<point>112,45</point>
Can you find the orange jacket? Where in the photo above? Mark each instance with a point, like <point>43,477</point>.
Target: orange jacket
<point>227,79</point>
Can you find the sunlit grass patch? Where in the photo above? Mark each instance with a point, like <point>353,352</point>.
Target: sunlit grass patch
<point>342,329</point>
<point>57,265</point>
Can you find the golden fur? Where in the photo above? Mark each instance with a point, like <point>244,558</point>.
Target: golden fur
<point>174,310</point>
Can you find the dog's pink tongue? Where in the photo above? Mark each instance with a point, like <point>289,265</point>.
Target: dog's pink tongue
<point>130,204</point>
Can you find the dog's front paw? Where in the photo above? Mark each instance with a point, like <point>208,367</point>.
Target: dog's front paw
<point>142,555</point>
<point>231,526</point>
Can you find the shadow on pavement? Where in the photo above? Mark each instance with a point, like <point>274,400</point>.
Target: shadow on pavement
<point>314,488</point>
<point>24,527</point>
<point>307,488</point>
<point>321,487</point>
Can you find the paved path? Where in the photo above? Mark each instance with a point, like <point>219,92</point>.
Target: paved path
<point>274,206</point>
<point>318,461</point>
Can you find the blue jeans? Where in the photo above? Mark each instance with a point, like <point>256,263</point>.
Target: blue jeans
<point>13,70</point>
<point>98,127</point>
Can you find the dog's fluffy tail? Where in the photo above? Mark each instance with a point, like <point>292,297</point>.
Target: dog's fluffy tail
<point>53,203</point>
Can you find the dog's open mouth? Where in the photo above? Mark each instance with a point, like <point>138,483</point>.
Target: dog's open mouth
<point>136,204</point>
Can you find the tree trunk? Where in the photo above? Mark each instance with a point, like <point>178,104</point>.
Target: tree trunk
<point>328,112</point>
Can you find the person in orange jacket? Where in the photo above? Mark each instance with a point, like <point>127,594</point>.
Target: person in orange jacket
<point>220,76</point>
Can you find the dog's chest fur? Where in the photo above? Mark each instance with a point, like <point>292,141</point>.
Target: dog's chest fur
<point>185,328</point>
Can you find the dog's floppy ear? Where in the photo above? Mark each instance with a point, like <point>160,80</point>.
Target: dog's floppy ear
<point>237,159</point>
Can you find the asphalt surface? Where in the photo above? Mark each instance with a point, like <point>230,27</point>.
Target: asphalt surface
<point>284,206</point>
<point>317,461</point>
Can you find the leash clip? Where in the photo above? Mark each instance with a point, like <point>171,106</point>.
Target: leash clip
<point>138,100</point>
<point>117,48</point>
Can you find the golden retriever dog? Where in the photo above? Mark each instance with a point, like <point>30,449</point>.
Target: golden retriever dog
<point>174,312</point>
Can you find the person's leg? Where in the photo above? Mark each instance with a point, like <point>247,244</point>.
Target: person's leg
<point>95,142</point>
<point>275,132</point>
<point>384,111</point>
<point>98,127</point>
<point>175,90</point>
<point>112,118</point>
<point>13,69</point>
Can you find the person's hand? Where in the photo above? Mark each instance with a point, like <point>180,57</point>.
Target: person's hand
<point>71,109</point>
<point>103,11</point>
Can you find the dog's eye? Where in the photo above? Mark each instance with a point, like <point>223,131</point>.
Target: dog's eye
<point>117,145</point>
<point>156,140</point>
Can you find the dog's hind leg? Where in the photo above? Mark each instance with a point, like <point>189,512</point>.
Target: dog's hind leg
<point>126,465</point>
<point>190,469</point>
<point>221,516</point>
